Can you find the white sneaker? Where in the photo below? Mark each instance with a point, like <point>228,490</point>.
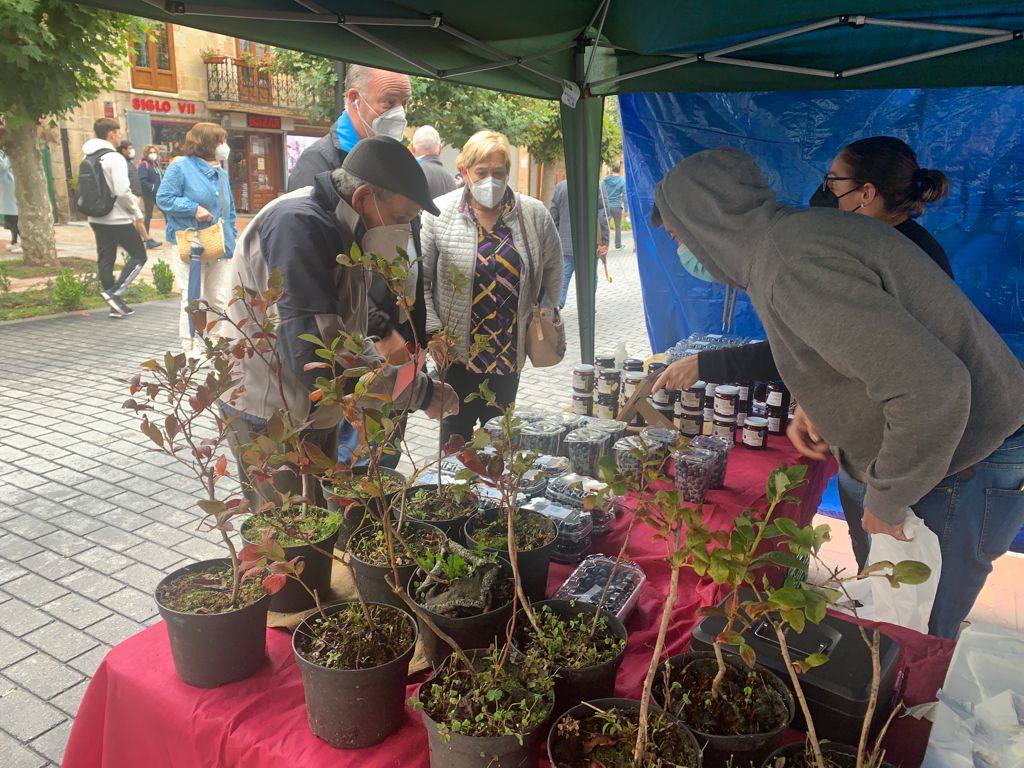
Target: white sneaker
<point>15,249</point>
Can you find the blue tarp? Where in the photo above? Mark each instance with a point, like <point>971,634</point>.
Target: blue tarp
<point>974,135</point>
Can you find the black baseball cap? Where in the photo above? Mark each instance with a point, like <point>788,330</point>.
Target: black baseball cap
<point>386,163</point>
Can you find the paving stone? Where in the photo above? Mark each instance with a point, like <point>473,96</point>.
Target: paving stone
<point>17,548</point>
<point>61,640</point>
<point>110,474</point>
<point>15,755</point>
<point>36,464</point>
<point>9,571</point>
<point>50,564</point>
<point>12,649</point>
<point>163,535</point>
<point>43,508</point>
<point>115,538</point>
<point>89,505</point>
<point>124,519</point>
<point>20,618</point>
<point>53,742</point>
<point>69,700</point>
<point>77,523</point>
<point>91,584</point>
<point>34,589</point>
<point>90,660</point>
<point>23,715</point>
<point>158,556</point>
<point>64,542</point>
<point>134,501</point>
<point>142,577</point>
<point>73,461</point>
<point>113,629</point>
<point>76,610</point>
<point>133,603</point>
<point>102,559</point>
<point>28,527</point>
<point>42,675</point>
<point>55,491</point>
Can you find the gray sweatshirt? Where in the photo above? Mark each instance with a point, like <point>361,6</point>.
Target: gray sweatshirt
<point>888,358</point>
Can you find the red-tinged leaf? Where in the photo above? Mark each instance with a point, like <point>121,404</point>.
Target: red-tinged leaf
<point>250,552</point>
<point>212,508</point>
<point>171,426</point>
<point>316,396</point>
<point>135,384</point>
<point>748,655</point>
<point>315,366</point>
<point>472,462</point>
<point>221,470</point>
<point>454,445</point>
<point>275,428</point>
<point>405,376</point>
<point>274,583</point>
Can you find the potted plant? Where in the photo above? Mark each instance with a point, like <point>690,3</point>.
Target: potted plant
<point>384,556</point>
<point>534,542</point>
<point>212,56</point>
<point>604,732</point>
<point>216,623</point>
<point>360,495</point>
<point>447,506</point>
<point>583,644</point>
<point>467,595</point>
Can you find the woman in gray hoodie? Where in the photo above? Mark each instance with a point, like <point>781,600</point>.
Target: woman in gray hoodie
<point>896,370</point>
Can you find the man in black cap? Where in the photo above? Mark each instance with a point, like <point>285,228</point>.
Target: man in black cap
<point>370,200</point>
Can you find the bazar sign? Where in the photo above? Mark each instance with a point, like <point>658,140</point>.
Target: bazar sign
<point>163,106</point>
<point>264,121</point>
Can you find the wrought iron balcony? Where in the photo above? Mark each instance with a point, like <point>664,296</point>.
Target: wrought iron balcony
<point>236,81</point>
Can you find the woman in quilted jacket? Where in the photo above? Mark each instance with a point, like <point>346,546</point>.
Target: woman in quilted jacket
<point>489,257</point>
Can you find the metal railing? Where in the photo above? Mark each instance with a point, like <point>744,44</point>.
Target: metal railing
<point>236,81</point>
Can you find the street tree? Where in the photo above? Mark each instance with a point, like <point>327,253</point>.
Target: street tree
<point>54,55</point>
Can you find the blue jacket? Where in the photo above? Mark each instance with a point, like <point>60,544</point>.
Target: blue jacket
<point>614,188</point>
<point>149,175</point>
<point>189,183</point>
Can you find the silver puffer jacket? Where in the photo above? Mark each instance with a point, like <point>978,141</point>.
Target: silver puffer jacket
<point>449,242</point>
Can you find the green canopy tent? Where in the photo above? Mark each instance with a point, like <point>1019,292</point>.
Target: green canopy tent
<point>582,50</point>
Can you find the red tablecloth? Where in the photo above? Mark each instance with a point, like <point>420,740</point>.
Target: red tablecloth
<point>137,713</point>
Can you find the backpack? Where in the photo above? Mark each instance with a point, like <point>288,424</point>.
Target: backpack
<point>94,195</point>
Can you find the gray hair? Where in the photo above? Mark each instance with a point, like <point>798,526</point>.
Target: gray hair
<point>346,184</point>
<point>427,139</point>
<point>357,76</point>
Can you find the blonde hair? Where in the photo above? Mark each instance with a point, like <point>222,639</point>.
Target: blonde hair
<point>149,147</point>
<point>203,138</point>
<point>480,145</point>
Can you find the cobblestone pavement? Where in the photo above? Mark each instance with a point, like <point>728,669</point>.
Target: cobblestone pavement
<point>91,520</point>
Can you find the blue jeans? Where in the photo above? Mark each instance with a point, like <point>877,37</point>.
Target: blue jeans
<point>567,269</point>
<point>348,441</point>
<point>976,514</point>
<point>851,496</point>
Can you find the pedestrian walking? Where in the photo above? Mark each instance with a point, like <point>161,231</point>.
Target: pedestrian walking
<point>195,196</point>
<point>560,215</point>
<point>426,148</point>
<point>613,189</point>
<point>8,203</point>
<point>135,184</point>
<point>105,196</point>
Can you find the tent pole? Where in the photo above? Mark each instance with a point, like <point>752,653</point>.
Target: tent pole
<point>486,66</point>
<point>1005,38</point>
<point>603,8</point>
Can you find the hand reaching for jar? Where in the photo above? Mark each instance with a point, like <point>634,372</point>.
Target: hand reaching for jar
<point>805,438</point>
<point>679,375</point>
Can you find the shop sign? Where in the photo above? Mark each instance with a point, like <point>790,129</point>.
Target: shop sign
<point>163,106</point>
<point>265,121</point>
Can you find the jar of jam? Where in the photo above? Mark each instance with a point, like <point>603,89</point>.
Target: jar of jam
<point>609,381</point>
<point>755,433</point>
<point>777,418</point>
<point>583,378</point>
<point>726,400</point>
<point>633,364</point>
<point>604,361</point>
<point>606,406</point>
<point>689,422</point>
<point>661,398</point>
<point>724,427</point>
<point>693,398</point>
<point>583,403</point>
<point>776,395</point>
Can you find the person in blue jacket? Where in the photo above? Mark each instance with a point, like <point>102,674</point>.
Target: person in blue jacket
<point>150,174</point>
<point>195,193</point>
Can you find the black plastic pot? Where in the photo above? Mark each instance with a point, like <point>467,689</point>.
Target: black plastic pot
<point>791,751</point>
<point>586,683</point>
<point>354,708</point>
<point>371,578</point>
<point>211,650</point>
<point>481,751</point>
<point>358,514</point>
<point>451,528</point>
<point>558,750</point>
<point>316,574</point>
<point>739,750</point>
<point>470,632</point>
<point>533,563</point>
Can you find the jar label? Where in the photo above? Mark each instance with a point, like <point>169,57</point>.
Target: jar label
<point>753,437</point>
<point>741,418</point>
<point>724,431</point>
<point>582,406</point>
<point>774,397</point>
<point>774,425</point>
<point>662,397</point>
<point>744,393</point>
<point>603,411</point>
<point>690,399</point>
<point>725,406</point>
<point>607,386</point>
<point>709,413</point>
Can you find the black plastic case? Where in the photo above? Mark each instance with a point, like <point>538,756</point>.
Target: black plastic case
<point>837,692</point>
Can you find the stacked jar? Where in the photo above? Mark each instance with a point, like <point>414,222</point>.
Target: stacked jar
<point>662,399</point>
<point>689,410</point>
<point>631,379</point>
<point>583,390</point>
<point>727,398</point>
<point>708,408</point>
<point>609,390</point>
<point>744,404</point>
<point>777,409</point>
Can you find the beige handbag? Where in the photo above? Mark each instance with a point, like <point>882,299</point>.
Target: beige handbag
<point>211,237</point>
<point>545,332</point>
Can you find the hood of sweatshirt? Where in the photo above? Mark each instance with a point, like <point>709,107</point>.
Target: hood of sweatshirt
<point>721,207</point>
<point>92,145</point>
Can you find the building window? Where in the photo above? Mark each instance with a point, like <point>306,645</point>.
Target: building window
<point>153,59</point>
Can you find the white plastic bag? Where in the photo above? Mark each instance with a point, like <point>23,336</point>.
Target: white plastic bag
<point>908,606</point>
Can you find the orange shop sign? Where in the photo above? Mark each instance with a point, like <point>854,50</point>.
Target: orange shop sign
<point>163,106</point>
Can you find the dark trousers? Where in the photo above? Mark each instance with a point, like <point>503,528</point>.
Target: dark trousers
<point>11,223</point>
<point>108,238</point>
<point>616,217</point>
<point>148,204</point>
<point>465,383</point>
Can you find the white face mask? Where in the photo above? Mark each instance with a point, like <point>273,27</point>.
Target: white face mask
<point>691,265</point>
<point>385,240</point>
<point>392,123</point>
<point>131,154</point>
<point>151,157</point>
<point>222,152</point>
<point>489,192</point>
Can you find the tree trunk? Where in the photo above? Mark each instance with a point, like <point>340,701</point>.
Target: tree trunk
<point>35,216</point>
<point>547,183</point>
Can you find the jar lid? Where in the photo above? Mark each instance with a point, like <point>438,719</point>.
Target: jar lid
<point>755,421</point>
<point>628,443</point>
<point>711,443</point>
<point>605,359</point>
<point>610,373</point>
<point>659,435</point>
<point>545,427</point>
<point>635,376</point>
<point>585,435</point>
<point>582,395</point>
<point>710,388</point>
<point>725,420</point>
<point>583,368</point>
<point>633,364</point>
<point>608,426</point>
<point>727,390</point>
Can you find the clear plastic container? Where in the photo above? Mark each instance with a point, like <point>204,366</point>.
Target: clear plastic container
<point>571,490</point>
<point>574,529</point>
<point>720,448</point>
<point>587,583</point>
<point>604,518</point>
<point>693,473</point>
<point>623,451</point>
<point>614,429</point>
<point>653,436</point>
<point>585,447</point>
<point>496,429</point>
<point>541,436</point>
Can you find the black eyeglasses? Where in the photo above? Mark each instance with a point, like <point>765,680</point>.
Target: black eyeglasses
<point>829,180</point>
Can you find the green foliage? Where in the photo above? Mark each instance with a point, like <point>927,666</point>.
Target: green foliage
<point>543,135</point>
<point>452,565</point>
<point>56,55</point>
<point>315,77</point>
<point>69,290</point>
<point>163,277</point>
<point>458,111</point>
<point>5,279</point>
